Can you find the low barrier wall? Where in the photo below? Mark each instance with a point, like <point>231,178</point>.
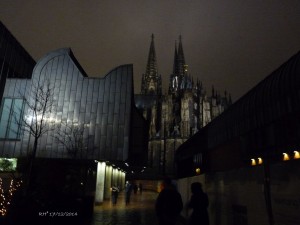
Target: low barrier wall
<point>238,197</point>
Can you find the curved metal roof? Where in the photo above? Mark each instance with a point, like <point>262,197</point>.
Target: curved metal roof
<point>283,82</point>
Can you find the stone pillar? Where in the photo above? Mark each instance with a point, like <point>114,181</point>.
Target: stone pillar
<point>108,182</point>
<point>100,182</point>
<point>123,180</point>
<point>115,176</point>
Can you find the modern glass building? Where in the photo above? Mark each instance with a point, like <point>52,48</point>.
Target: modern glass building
<point>100,110</point>
<point>61,114</point>
<point>82,127</point>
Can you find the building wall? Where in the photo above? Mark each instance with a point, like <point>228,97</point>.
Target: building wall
<point>139,139</point>
<point>195,112</point>
<point>263,124</point>
<point>261,129</point>
<point>101,105</point>
<point>237,197</point>
<point>162,154</point>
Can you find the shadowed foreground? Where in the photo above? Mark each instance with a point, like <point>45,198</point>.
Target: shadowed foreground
<point>140,211</point>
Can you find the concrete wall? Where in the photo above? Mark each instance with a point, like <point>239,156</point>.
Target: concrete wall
<point>149,185</point>
<point>237,197</point>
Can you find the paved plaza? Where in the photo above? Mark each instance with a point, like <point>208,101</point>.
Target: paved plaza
<point>140,211</point>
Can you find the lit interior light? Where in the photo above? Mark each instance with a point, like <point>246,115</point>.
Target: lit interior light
<point>198,170</point>
<point>285,157</point>
<point>11,161</point>
<point>296,155</point>
<point>253,162</point>
<point>260,161</point>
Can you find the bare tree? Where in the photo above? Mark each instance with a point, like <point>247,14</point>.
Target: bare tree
<point>71,136</point>
<point>38,103</point>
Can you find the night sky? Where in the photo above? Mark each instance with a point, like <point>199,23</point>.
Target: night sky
<point>231,44</point>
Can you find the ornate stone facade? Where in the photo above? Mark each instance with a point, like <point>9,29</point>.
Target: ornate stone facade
<point>177,115</point>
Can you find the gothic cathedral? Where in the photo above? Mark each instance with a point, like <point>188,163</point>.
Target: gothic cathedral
<point>177,115</point>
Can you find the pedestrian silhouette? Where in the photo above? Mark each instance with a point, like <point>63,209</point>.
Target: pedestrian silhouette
<point>114,194</point>
<point>168,204</point>
<point>199,203</point>
<point>135,188</point>
<point>128,189</point>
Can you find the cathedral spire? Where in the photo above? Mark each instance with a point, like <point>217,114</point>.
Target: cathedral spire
<point>151,81</point>
<point>174,80</point>
<point>151,69</point>
<point>179,79</point>
<point>181,59</point>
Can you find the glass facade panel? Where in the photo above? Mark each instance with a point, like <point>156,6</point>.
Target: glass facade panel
<point>5,111</point>
<point>16,120</point>
<point>11,118</point>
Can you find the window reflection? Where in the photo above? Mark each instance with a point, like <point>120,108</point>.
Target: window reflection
<point>11,118</point>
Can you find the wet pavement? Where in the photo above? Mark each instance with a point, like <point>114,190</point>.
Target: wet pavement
<point>140,210</point>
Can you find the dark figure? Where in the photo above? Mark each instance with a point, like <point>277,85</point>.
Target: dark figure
<point>128,189</point>
<point>114,194</point>
<point>135,188</point>
<point>199,203</point>
<point>168,204</point>
<point>140,188</point>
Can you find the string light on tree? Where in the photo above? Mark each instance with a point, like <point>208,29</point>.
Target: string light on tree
<point>5,198</point>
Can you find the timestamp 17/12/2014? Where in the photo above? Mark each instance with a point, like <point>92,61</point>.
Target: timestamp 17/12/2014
<point>57,214</point>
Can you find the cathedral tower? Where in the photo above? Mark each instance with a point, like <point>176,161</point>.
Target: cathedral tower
<point>178,78</point>
<point>151,81</point>
<point>177,115</point>
<point>151,90</point>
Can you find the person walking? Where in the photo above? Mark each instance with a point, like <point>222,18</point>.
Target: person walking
<point>199,203</point>
<point>168,204</point>
<point>128,189</point>
<point>114,194</point>
<point>135,188</point>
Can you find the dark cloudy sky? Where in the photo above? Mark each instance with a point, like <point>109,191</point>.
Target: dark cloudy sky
<point>231,44</point>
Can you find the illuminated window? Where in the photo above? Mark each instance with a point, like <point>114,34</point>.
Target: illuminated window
<point>10,118</point>
<point>8,164</point>
<point>197,159</point>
